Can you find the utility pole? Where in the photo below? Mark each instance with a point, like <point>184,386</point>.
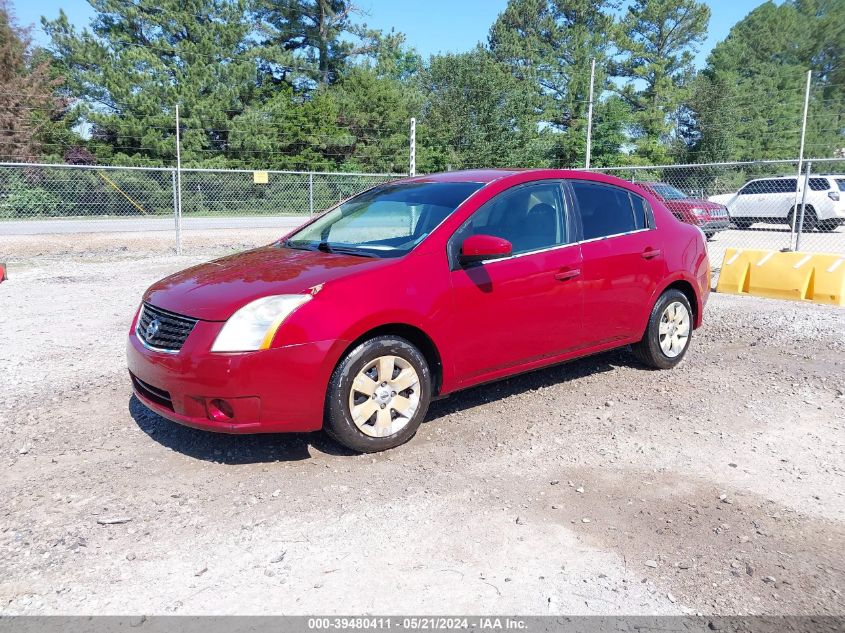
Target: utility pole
<point>178,188</point>
<point>799,218</point>
<point>590,114</point>
<point>412,156</point>
<point>794,223</point>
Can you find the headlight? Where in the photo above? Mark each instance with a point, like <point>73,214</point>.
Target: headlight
<point>697,211</point>
<point>254,326</point>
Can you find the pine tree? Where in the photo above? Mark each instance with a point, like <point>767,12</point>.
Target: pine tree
<point>550,44</point>
<point>311,39</point>
<point>750,103</point>
<point>142,58</point>
<point>657,43</point>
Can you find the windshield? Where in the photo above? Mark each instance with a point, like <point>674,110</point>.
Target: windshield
<point>841,183</point>
<point>668,192</point>
<point>386,221</point>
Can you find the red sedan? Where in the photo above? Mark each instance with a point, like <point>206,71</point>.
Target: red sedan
<point>710,217</point>
<point>413,290</point>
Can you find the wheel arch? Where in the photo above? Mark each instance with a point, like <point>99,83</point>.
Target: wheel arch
<point>413,334</point>
<point>689,292</point>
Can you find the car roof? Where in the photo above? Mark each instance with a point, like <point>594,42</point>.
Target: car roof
<point>467,175</point>
<point>486,176</point>
<point>793,176</point>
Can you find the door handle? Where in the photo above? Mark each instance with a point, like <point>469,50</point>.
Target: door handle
<point>563,275</point>
<point>650,253</point>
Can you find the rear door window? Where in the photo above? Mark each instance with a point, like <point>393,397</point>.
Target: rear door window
<point>819,184</point>
<point>605,210</point>
<point>783,185</point>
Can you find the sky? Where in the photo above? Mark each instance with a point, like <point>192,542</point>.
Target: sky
<point>431,26</point>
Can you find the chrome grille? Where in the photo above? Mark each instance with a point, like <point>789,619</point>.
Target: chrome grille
<point>163,331</point>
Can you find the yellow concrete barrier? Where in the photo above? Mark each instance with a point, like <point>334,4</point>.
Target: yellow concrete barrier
<point>798,276</point>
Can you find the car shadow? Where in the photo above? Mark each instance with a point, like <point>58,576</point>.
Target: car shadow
<point>280,447</point>
<point>229,449</point>
<point>530,381</point>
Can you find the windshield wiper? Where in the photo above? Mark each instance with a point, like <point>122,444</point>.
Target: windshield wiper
<point>350,250</point>
<point>298,247</point>
<point>325,247</point>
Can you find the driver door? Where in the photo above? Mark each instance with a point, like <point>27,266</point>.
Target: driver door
<point>526,307</point>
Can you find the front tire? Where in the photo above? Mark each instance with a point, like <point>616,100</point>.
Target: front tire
<point>378,395</point>
<point>668,333</point>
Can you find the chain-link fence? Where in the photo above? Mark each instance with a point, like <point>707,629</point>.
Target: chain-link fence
<point>159,208</point>
<point>741,204</point>
<point>39,191</point>
<point>754,204</point>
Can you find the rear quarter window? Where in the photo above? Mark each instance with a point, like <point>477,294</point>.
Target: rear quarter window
<point>643,217</point>
<point>819,184</point>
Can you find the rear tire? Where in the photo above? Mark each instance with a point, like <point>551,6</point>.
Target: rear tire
<point>811,221</point>
<point>668,333</point>
<point>378,395</point>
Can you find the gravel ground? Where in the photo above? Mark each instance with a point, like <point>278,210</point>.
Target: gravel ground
<point>595,487</point>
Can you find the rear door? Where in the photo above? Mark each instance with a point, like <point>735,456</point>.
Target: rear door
<point>623,260</point>
<point>522,308</point>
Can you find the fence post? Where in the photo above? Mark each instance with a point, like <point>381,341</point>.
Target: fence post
<point>412,164</point>
<point>590,114</point>
<point>178,188</point>
<point>311,194</point>
<point>801,157</point>
<point>175,203</point>
<point>800,216</point>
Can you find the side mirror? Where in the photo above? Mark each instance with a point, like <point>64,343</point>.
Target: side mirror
<point>477,248</point>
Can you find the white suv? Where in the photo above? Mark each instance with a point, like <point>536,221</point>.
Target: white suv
<point>772,200</point>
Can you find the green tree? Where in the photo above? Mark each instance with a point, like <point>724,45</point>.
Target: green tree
<point>476,114</point>
<point>750,101</point>
<point>550,44</point>
<point>657,43</point>
<point>316,39</point>
<point>141,58</point>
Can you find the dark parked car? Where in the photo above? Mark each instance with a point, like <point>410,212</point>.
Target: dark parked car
<point>710,217</point>
<point>413,290</point>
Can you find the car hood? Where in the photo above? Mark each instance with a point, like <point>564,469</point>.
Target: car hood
<point>722,198</point>
<point>215,290</point>
<point>693,203</point>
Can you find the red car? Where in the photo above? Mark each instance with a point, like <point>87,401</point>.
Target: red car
<point>413,290</point>
<point>710,217</point>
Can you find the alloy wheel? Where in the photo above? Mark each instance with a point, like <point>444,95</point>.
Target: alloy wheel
<point>674,329</point>
<point>384,396</point>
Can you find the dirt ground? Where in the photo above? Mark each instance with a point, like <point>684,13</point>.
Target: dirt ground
<point>596,487</point>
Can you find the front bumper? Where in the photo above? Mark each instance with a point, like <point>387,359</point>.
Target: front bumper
<point>714,226</point>
<point>271,391</point>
